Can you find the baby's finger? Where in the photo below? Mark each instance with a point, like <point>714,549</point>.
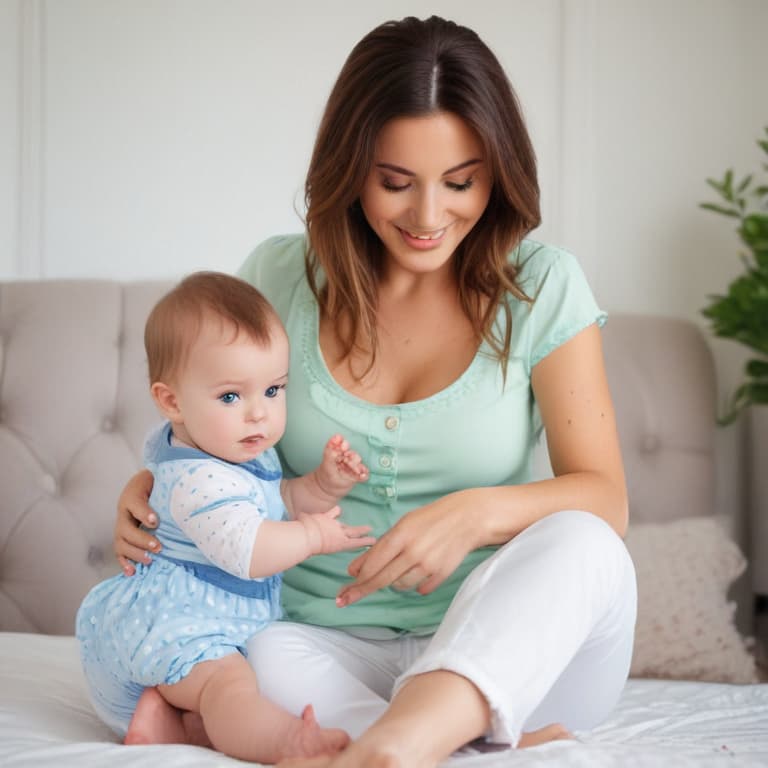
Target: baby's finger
<point>356,530</point>
<point>355,542</point>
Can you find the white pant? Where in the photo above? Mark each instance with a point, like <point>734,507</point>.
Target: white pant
<point>543,628</point>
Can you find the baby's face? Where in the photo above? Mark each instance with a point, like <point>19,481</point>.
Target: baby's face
<point>231,393</point>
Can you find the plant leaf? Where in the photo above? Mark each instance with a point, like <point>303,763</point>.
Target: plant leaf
<point>721,209</point>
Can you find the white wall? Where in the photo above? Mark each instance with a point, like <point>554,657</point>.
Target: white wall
<point>173,135</point>
<point>9,136</point>
<point>148,138</point>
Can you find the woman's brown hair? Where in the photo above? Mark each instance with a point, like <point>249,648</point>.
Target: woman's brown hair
<point>412,68</point>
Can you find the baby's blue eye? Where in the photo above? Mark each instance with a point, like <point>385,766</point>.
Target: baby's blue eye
<point>272,391</point>
<point>229,397</point>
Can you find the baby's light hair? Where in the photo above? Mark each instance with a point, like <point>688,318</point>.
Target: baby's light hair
<point>175,321</point>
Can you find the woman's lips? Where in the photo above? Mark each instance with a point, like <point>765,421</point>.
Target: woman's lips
<point>423,241</point>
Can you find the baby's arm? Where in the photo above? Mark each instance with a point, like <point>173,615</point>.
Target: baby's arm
<point>232,531</point>
<point>340,469</point>
<point>283,544</point>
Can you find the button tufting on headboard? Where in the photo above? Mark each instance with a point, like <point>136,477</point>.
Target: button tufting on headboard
<point>73,358</point>
<point>95,557</point>
<point>650,443</point>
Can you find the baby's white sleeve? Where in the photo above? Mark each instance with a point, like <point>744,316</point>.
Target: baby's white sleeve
<point>220,509</point>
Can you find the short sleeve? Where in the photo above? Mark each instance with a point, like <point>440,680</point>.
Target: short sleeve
<point>220,509</point>
<point>563,303</point>
<point>276,267</point>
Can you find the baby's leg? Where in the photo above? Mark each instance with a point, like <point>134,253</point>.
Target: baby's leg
<point>155,721</point>
<point>240,722</point>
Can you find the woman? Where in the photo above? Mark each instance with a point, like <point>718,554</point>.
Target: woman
<point>425,327</point>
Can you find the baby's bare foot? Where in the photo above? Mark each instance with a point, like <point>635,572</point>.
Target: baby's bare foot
<point>554,732</point>
<point>155,721</point>
<point>307,739</point>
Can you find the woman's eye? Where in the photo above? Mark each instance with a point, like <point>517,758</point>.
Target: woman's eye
<point>229,397</point>
<point>390,186</point>
<point>460,187</point>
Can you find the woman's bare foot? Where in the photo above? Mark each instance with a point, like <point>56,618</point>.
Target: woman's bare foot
<point>366,753</point>
<point>554,732</point>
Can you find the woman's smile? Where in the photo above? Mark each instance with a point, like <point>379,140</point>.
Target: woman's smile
<point>428,187</point>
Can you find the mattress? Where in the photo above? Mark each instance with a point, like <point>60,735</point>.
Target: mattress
<point>46,720</point>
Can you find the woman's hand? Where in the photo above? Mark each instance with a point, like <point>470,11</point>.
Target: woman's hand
<point>419,552</point>
<point>131,544</point>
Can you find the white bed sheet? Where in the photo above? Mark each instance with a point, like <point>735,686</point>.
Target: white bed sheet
<point>46,720</point>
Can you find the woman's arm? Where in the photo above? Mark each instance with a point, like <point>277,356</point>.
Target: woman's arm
<point>427,544</point>
<point>339,470</point>
<point>131,543</point>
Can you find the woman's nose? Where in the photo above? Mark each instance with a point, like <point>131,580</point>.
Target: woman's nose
<point>427,212</point>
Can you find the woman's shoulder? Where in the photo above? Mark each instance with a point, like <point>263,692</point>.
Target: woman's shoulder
<point>562,301</point>
<point>276,266</point>
<point>537,262</point>
<point>274,256</point>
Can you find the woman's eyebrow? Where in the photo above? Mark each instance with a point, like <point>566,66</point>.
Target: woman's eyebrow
<point>406,172</point>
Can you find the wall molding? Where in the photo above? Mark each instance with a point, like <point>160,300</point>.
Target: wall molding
<point>30,256</point>
<point>577,198</point>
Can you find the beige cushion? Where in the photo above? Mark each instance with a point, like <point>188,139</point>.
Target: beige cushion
<point>685,627</point>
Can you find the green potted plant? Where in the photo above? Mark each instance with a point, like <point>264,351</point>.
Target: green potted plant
<point>742,313</point>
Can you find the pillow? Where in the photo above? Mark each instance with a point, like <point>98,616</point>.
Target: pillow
<point>685,628</point>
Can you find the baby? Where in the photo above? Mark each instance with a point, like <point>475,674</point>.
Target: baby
<point>229,524</point>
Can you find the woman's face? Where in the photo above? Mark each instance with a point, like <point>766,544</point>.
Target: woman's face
<point>428,186</point>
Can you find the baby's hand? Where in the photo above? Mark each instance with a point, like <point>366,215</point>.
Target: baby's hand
<point>341,468</point>
<point>326,533</point>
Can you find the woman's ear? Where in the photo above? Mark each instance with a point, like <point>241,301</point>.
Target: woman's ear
<point>165,399</point>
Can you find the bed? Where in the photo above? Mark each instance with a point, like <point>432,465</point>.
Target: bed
<point>74,410</point>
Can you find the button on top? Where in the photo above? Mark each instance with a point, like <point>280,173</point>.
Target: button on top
<point>385,461</point>
<point>391,422</point>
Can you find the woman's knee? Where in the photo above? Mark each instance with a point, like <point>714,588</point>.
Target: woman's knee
<point>577,545</point>
<point>580,532</point>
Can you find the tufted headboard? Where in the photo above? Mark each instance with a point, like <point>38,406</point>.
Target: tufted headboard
<point>75,407</point>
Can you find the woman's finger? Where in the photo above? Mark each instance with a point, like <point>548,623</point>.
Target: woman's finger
<point>386,550</point>
<point>410,579</point>
<point>358,589</point>
<point>430,584</point>
<point>126,566</point>
<point>134,554</point>
<point>128,538</point>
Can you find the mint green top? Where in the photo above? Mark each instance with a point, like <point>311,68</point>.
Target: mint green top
<point>476,432</point>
